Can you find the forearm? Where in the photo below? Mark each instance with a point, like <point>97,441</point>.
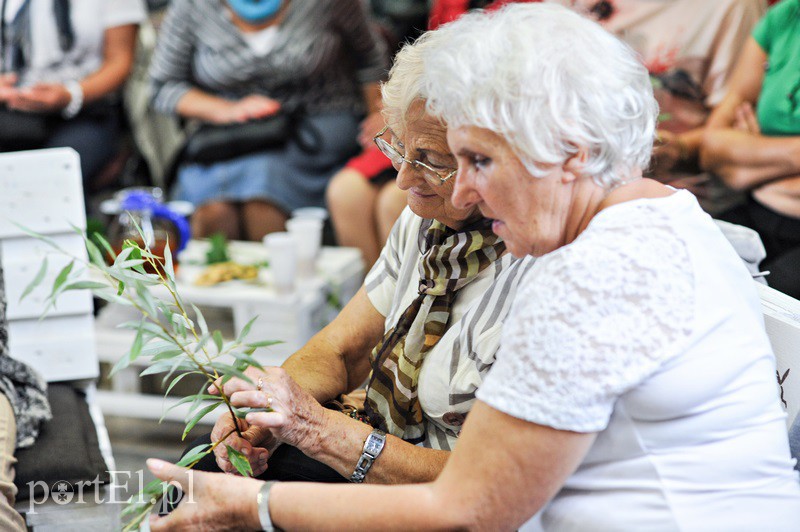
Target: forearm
<point>341,442</point>
<point>117,64</point>
<point>319,369</point>
<point>200,105</point>
<point>690,143</point>
<point>349,507</point>
<point>745,161</point>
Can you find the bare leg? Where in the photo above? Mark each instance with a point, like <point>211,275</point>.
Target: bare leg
<point>9,518</point>
<point>216,217</point>
<point>352,201</point>
<point>260,218</point>
<point>391,202</point>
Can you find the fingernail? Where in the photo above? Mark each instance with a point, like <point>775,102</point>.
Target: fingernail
<point>155,465</point>
<point>246,452</point>
<point>262,457</point>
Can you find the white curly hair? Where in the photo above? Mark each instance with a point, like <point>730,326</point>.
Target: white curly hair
<point>548,80</point>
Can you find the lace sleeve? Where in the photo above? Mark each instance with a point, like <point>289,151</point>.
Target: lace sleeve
<point>591,321</point>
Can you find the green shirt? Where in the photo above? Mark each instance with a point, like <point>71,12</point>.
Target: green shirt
<point>778,34</point>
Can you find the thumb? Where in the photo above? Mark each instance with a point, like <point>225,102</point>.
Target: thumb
<point>169,472</point>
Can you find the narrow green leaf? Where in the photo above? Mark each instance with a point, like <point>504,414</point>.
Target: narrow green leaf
<point>200,415</point>
<point>169,269</point>
<point>201,320</point>
<point>94,253</point>
<point>167,355</point>
<point>239,461</point>
<point>246,330</point>
<point>123,255</point>
<point>218,341</point>
<point>188,398</point>
<point>264,343</point>
<point>106,246</point>
<point>175,381</point>
<point>84,285</point>
<point>247,360</point>
<point>136,348</point>
<point>166,365</point>
<point>120,288</point>
<point>37,280</point>
<point>38,236</point>
<point>128,264</point>
<point>193,454</point>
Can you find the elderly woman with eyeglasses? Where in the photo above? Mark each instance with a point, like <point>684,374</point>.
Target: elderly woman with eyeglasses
<point>635,385</point>
<point>421,333</point>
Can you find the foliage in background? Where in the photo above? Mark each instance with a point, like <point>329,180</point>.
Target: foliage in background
<point>218,249</point>
<point>175,344</point>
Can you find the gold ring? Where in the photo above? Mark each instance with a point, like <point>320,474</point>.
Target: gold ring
<point>260,384</point>
<point>269,402</point>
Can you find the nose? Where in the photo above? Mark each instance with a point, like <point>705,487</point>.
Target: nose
<point>464,194</point>
<point>408,176</point>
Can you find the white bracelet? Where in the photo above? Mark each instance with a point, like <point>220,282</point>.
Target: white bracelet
<point>75,100</point>
<point>263,507</point>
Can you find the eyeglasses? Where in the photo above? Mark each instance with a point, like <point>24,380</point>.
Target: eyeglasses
<point>432,176</point>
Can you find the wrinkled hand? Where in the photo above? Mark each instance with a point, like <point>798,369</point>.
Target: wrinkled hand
<point>370,126</point>
<point>297,418</point>
<point>253,107</point>
<point>256,444</point>
<point>746,120</point>
<point>39,98</point>
<point>211,502</point>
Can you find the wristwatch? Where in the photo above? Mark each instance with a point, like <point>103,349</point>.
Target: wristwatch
<point>372,448</point>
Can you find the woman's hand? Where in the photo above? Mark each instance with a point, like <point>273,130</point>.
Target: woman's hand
<point>39,98</point>
<point>7,86</point>
<point>746,120</point>
<point>667,152</point>
<point>251,107</point>
<point>297,418</point>
<point>211,501</point>
<point>256,444</point>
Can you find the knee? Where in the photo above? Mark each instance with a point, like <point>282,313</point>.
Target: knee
<point>390,203</point>
<point>212,217</point>
<point>347,189</point>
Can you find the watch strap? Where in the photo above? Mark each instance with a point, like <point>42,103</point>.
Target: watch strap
<point>373,446</point>
<point>263,507</point>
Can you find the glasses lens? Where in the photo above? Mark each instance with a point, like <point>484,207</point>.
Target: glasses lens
<point>389,151</point>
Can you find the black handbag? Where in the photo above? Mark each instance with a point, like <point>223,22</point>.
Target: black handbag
<point>212,143</point>
<point>22,131</point>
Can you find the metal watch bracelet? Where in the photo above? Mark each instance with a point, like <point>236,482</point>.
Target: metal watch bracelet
<point>263,507</point>
<point>373,446</point>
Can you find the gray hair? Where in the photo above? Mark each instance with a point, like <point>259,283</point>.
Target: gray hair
<point>548,80</point>
<point>406,83</point>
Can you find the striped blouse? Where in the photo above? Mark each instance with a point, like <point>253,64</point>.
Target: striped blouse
<point>323,52</point>
<point>456,366</point>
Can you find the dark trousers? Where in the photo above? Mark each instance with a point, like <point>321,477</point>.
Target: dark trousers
<point>781,237</point>
<point>286,464</point>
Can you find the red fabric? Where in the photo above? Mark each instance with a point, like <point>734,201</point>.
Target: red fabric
<point>370,162</point>
<point>444,11</point>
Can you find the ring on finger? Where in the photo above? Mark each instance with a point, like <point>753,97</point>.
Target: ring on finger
<point>260,384</point>
<point>269,402</point>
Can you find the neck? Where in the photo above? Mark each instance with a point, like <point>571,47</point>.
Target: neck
<point>590,198</point>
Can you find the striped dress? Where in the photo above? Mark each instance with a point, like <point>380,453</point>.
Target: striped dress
<point>455,367</point>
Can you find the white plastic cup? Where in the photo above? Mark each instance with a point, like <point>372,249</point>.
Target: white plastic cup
<point>307,232</point>
<point>282,251</point>
<point>320,213</point>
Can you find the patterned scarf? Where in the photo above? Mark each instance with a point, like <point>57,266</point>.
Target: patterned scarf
<point>451,260</point>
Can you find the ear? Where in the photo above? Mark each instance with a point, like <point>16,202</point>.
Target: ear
<point>573,168</point>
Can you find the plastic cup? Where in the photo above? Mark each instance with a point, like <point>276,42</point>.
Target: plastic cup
<point>319,213</point>
<point>282,250</point>
<point>308,234</point>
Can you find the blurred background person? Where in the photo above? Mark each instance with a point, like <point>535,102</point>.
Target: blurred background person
<point>63,63</point>
<point>234,61</point>
<point>753,142</point>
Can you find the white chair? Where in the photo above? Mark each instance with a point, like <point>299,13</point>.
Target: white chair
<point>782,321</point>
<point>42,191</point>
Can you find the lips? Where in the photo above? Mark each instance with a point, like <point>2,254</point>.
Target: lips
<point>421,194</point>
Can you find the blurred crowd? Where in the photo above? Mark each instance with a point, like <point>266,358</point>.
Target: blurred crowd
<point>251,110</point>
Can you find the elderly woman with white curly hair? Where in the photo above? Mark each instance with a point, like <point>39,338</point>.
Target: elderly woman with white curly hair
<point>634,388</point>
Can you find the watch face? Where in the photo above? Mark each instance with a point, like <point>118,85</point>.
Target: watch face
<point>373,445</point>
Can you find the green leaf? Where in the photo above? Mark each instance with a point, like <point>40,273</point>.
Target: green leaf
<point>169,269</point>
<point>166,365</point>
<point>85,285</point>
<point>201,320</point>
<point>247,360</point>
<point>38,236</point>
<point>218,249</point>
<point>246,330</point>
<point>37,280</point>
<point>239,461</point>
<point>94,253</point>
<point>200,415</point>
<point>167,355</point>
<point>62,276</point>
<point>123,255</point>
<point>120,288</point>
<point>106,246</point>
<point>175,381</point>
<point>194,454</point>
<point>264,343</point>
<point>218,341</point>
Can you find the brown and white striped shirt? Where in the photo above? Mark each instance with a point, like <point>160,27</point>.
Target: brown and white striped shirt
<point>455,367</point>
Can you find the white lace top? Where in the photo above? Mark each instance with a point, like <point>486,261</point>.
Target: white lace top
<point>647,329</point>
